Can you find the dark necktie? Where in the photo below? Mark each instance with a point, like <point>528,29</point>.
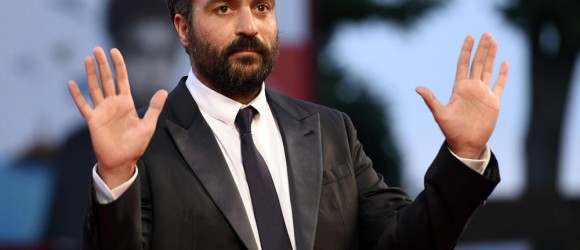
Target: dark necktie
<point>271,227</point>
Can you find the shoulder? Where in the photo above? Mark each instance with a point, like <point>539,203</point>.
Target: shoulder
<point>334,123</point>
<point>298,107</point>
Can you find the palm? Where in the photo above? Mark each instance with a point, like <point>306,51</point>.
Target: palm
<point>118,134</point>
<point>469,118</point>
<point>470,115</point>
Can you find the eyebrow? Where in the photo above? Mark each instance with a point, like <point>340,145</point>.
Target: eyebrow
<point>212,2</point>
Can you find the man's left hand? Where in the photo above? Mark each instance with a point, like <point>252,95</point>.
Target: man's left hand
<point>469,118</point>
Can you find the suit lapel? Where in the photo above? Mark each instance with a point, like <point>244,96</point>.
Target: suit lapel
<point>302,142</point>
<point>198,146</point>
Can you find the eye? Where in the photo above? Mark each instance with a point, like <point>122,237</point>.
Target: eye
<point>223,9</point>
<point>263,8</point>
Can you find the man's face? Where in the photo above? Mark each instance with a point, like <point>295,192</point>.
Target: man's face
<point>233,44</point>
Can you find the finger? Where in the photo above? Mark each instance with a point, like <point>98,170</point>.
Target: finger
<point>84,108</point>
<point>489,62</point>
<point>107,82</point>
<point>480,55</point>
<point>464,56</point>
<point>93,81</point>
<point>155,107</point>
<point>432,103</point>
<point>501,79</point>
<point>121,76</point>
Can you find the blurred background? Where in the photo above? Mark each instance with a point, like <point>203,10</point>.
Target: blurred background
<point>363,57</point>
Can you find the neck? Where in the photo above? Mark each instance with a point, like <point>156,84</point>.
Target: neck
<point>245,99</point>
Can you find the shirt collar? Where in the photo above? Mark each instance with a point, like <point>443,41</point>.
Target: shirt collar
<point>219,106</point>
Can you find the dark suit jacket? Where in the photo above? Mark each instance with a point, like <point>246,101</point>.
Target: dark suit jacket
<point>185,196</point>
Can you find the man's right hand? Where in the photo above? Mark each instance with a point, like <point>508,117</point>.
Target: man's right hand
<point>118,135</point>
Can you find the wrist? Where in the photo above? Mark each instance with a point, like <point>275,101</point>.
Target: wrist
<point>467,152</point>
<point>114,177</point>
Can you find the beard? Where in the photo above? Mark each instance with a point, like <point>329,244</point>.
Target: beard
<point>237,76</point>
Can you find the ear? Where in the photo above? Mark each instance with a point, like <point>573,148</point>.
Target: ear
<point>182,28</point>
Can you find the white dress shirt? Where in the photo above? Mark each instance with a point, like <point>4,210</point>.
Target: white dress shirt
<point>220,113</point>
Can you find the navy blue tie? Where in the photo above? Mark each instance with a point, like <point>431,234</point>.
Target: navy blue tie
<point>269,218</point>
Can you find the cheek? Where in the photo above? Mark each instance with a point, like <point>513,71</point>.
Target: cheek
<point>213,29</point>
<point>217,38</point>
<point>271,33</point>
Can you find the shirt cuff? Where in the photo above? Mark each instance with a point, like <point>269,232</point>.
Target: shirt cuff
<point>478,165</point>
<point>106,195</point>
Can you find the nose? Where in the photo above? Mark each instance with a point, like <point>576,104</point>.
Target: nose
<point>247,25</point>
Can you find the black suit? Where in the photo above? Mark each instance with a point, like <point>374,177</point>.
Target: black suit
<point>185,196</point>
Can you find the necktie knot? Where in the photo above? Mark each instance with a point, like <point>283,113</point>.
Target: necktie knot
<point>244,120</point>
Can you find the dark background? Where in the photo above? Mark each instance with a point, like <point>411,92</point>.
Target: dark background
<point>363,57</point>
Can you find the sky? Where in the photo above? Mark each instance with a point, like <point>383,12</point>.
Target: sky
<point>45,48</point>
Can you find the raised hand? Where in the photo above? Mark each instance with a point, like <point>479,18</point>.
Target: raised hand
<point>469,118</point>
<point>118,135</point>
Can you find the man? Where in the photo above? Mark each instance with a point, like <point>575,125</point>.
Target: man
<point>182,177</point>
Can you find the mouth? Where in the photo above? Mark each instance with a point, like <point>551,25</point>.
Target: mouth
<point>247,51</point>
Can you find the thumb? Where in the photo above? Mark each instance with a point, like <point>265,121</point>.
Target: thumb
<point>432,103</point>
<point>155,107</point>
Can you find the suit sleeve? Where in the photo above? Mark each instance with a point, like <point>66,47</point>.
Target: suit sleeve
<point>121,224</point>
<point>389,219</point>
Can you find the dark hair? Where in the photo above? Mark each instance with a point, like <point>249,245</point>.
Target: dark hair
<point>182,7</point>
